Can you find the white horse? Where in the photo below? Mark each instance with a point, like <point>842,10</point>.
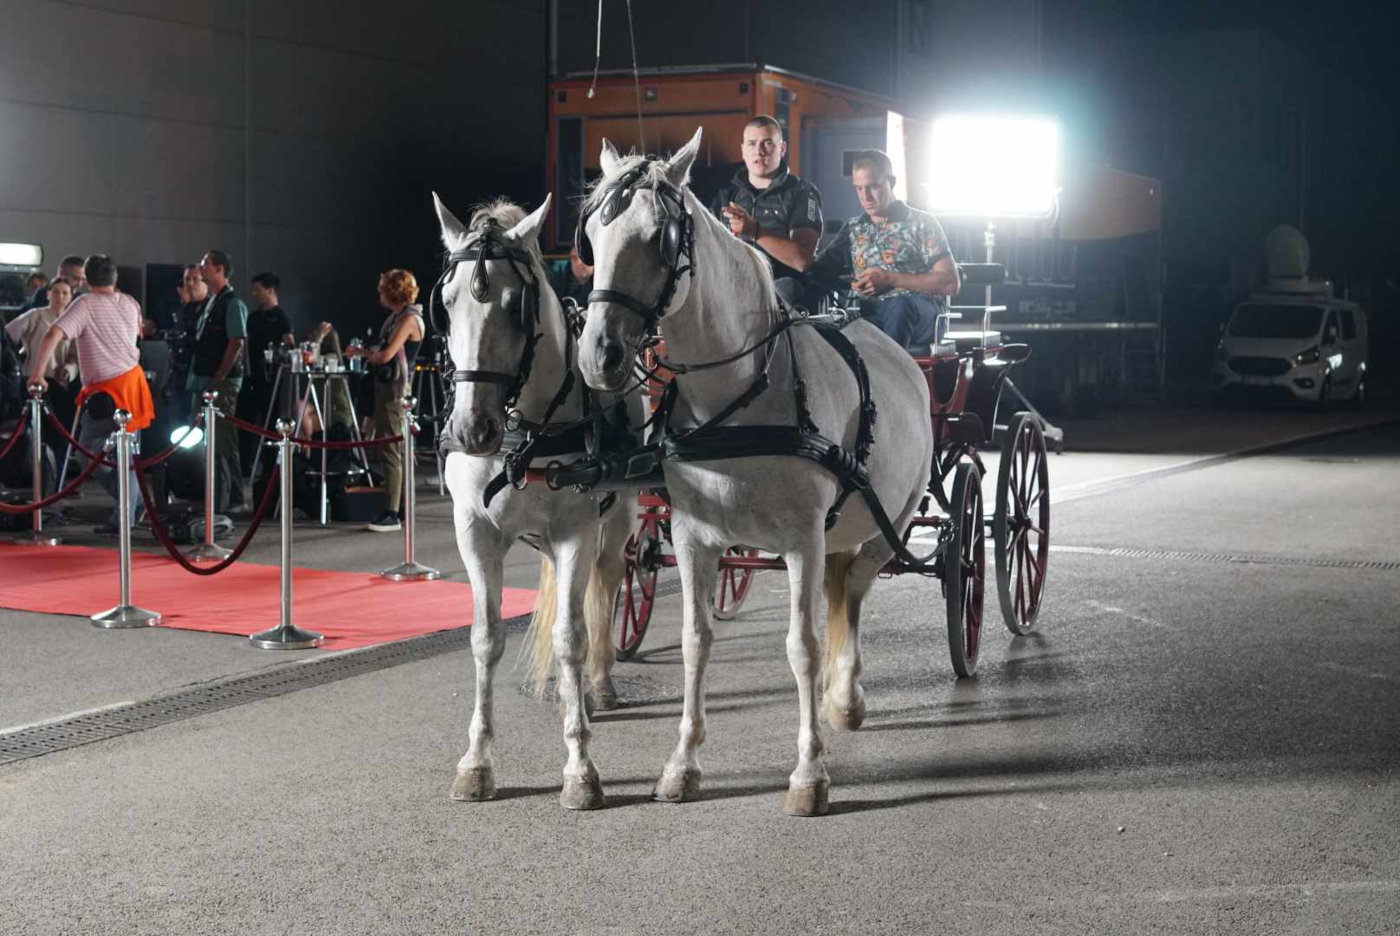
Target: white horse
<point>777,503</point>
<point>488,333</point>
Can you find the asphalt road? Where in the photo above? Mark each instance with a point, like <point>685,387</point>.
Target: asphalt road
<point>1202,738</point>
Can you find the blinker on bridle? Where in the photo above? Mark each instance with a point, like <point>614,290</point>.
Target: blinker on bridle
<point>677,242</point>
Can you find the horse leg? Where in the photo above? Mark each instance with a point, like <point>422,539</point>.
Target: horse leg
<point>573,562</point>
<point>809,785</point>
<point>483,555</point>
<point>699,565</point>
<point>844,703</point>
<point>598,603</point>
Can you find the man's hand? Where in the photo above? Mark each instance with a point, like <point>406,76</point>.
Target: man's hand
<point>872,281</point>
<point>321,331</point>
<point>741,223</point>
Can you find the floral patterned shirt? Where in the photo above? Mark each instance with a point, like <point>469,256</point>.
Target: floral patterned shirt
<point>908,241</point>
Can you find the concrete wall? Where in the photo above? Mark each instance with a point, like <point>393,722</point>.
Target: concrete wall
<point>122,130</point>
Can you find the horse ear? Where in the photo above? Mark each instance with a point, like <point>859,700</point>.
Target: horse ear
<point>527,231</point>
<point>678,166</point>
<point>608,158</point>
<point>453,231</point>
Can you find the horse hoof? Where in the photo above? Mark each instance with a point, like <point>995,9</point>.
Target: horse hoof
<point>581,794</point>
<point>590,704</point>
<point>604,700</point>
<point>810,800</point>
<point>474,786</point>
<point>848,719</point>
<point>677,788</point>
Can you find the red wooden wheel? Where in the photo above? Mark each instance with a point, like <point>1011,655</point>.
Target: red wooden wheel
<point>733,585</point>
<point>637,593</point>
<point>964,570</point>
<point>1021,524</point>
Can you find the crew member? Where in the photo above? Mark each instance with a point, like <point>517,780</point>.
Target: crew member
<point>392,364</point>
<point>773,209</point>
<point>897,258</point>
<point>268,326</point>
<point>28,330</point>
<point>105,324</point>
<point>220,335</point>
<point>70,269</point>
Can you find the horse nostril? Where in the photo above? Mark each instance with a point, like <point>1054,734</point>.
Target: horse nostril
<point>481,432</point>
<point>612,356</point>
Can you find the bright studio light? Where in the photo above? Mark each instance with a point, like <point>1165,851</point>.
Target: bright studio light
<point>187,437</point>
<point>994,167</point>
<point>29,255</point>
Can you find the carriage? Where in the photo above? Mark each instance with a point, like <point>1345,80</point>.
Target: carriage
<point>966,373</point>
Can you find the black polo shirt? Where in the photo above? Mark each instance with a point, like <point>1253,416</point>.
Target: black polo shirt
<point>265,327</point>
<point>784,206</point>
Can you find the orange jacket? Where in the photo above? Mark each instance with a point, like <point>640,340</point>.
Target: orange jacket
<point>131,393</point>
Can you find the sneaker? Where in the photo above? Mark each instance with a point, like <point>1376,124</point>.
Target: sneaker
<point>387,522</point>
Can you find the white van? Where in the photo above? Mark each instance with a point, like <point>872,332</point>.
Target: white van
<point>1298,342</point>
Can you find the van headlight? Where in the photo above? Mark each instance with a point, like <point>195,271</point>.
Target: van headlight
<point>1309,356</point>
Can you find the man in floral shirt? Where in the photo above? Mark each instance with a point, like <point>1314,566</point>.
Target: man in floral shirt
<point>896,258</point>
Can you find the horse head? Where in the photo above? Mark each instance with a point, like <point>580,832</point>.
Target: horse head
<point>488,303</point>
<point>635,229</point>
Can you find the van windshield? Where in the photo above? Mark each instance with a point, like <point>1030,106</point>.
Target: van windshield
<point>1275,321</point>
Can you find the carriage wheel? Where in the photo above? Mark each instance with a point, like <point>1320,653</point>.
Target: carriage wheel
<point>964,569</point>
<point>637,593</point>
<point>733,585</point>
<point>1021,525</point>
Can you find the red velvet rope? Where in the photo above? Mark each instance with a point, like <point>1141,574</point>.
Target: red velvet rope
<point>19,431</point>
<point>313,443</point>
<point>141,464</point>
<point>163,535</point>
<point>57,496</point>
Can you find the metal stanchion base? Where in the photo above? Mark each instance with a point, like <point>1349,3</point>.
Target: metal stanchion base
<point>411,572</point>
<point>37,539</point>
<point>208,552</point>
<point>123,616</point>
<point>286,637</point>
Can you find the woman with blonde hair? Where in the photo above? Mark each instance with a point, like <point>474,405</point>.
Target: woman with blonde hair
<point>391,362</point>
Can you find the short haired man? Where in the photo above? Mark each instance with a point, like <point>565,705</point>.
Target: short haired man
<point>220,335</point>
<point>105,324</point>
<point>897,257</point>
<point>268,324</point>
<point>70,269</point>
<point>773,209</point>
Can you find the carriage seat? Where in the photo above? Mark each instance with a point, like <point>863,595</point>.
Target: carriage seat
<point>982,274</point>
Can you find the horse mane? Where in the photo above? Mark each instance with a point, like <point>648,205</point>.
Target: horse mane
<point>654,175</point>
<point>507,214</point>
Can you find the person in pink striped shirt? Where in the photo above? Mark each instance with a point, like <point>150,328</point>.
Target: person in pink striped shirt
<point>104,324</point>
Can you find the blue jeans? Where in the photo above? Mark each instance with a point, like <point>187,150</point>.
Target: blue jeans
<point>909,319</point>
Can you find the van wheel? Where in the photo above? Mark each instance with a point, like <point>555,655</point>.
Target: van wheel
<point>1358,399</point>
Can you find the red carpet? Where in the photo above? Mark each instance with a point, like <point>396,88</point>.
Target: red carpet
<point>352,609</point>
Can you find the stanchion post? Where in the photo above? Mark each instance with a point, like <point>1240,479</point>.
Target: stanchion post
<point>286,636</point>
<point>37,536</point>
<point>409,570</point>
<point>124,614</point>
<point>209,551</point>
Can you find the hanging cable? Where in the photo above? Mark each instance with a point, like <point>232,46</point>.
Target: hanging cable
<point>636,77</point>
<point>597,52</point>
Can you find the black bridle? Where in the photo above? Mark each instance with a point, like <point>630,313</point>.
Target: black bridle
<point>489,246</point>
<point>677,241</point>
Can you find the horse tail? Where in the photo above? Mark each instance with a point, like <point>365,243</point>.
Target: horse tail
<point>838,623</point>
<point>597,616</point>
<point>540,637</point>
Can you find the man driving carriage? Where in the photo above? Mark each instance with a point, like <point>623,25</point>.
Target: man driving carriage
<point>773,209</point>
<point>896,258</point>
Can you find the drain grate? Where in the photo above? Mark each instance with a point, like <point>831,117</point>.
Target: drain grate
<point>1376,565</point>
<point>51,737</point>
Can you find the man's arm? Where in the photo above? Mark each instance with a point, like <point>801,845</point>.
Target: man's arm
<point>39,363</point>
<point>942,280</point>
<point>236,321</point>
<point>231,352</point>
